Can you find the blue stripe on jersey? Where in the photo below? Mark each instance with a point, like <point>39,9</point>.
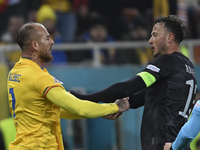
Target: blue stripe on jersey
<point>11,91</point>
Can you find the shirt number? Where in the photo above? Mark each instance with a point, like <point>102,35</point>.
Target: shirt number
<point>11,91</point>
<point>189,98</point>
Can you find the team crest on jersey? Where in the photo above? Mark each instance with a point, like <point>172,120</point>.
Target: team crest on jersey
<point>197,104</point>
<point>153,68</point>
<point>57,81</point>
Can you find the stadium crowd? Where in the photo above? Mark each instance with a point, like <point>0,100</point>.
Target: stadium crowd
<point>71,21</point>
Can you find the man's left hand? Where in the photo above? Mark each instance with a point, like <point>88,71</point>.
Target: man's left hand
<point>112,116</point>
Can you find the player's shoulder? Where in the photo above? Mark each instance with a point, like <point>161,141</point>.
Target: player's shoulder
<point>163,60</point>
<point>41,73</point>
<point>177,56</point>
<point>35,73</point>
<point>172,58</point>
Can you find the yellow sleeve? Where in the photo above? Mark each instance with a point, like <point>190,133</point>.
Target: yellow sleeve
<point>79,107</point>
<point>67,115</point>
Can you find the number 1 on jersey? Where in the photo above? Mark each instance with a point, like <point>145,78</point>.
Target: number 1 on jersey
<point>189,98</point>
<point>11,91</point>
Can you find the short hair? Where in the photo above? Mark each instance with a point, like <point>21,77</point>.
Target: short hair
<point>175,25</point>
<point>24,34</point>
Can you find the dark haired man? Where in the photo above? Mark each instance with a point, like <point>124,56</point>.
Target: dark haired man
<point>166,87</point>
<point>37,100</point>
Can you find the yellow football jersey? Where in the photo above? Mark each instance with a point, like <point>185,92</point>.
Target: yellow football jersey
<point>37,120</point>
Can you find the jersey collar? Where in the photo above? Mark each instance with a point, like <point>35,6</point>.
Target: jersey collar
<point>28,61</point>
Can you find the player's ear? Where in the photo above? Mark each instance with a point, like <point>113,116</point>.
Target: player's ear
<point>35,45</point>
<point>170,37</point>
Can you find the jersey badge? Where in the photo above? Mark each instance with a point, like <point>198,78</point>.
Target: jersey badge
<point>57,81</point>
<point>153,68</point>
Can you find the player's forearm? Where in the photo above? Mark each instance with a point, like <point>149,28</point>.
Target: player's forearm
<point>75,106</point>
<point>137,100</point>
<point>182,142</point>
<point>189,131</point>
<point>67,115</point>
<point>115,91</point>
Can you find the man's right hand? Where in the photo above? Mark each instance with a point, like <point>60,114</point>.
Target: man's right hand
<point>123,104</point>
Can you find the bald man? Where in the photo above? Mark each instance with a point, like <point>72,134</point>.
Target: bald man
<point>38,100</point>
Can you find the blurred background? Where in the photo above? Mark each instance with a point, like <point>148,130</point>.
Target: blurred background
<point>97,43</point>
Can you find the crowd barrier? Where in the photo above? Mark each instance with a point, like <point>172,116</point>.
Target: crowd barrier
<point>97,46</point>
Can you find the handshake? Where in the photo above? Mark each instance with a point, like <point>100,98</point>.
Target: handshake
<point>123,105</point>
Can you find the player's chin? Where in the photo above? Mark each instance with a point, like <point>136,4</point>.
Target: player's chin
<point>47,59</point>
<point>155,54</point>
<point>51,58</point>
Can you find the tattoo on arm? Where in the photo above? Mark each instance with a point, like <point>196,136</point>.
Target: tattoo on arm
<point>121,104</point>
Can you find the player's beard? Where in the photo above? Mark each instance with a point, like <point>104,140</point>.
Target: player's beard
<point>46,57</point>
<point>161,50</point>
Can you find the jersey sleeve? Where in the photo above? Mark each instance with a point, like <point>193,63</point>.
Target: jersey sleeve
<point>189,131</point>
<point>115,91</point>
<point>161,66</point>
<point>46,82</point>
<point>77,107</point>
<point>137,100</point>
<point>67,115</point>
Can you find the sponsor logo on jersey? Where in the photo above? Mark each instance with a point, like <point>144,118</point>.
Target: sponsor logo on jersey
<point>14,77</point>
<point>153,68</point>
<point>57,81</point>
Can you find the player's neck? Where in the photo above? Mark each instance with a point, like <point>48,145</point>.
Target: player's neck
<point>172,48</point>
<point>32,57</point>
